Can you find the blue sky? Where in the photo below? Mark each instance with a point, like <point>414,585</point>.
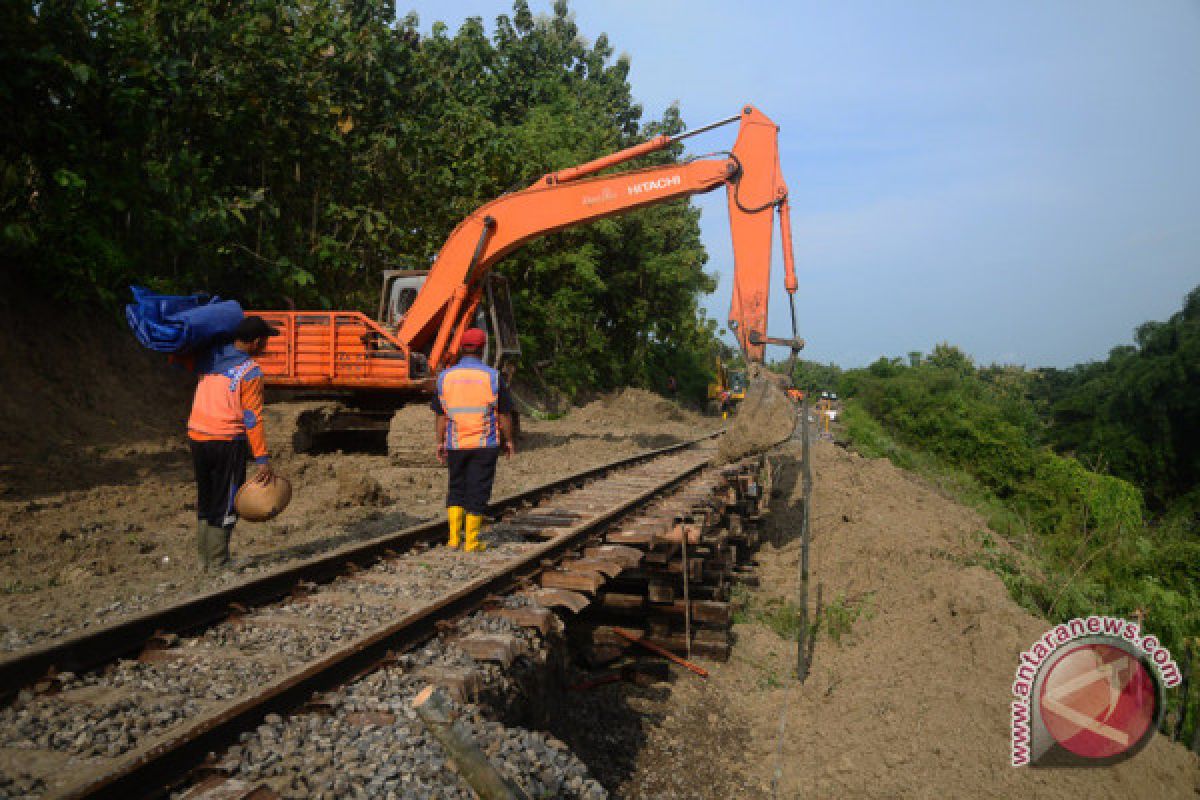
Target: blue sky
<point>1018,178</point>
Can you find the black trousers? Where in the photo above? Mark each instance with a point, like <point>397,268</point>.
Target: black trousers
<point>471,475</point>
<point>220,471</point>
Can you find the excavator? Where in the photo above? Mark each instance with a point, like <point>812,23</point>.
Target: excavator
<point>727,390</point>
<point>374,366</point>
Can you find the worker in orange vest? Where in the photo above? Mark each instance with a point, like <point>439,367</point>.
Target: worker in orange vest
<point>224,428</point>
<point>474,423</point>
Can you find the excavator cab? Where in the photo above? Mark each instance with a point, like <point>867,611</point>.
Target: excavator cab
<point>396,296</point>
<point>495,314</point>
<point>737,384</point>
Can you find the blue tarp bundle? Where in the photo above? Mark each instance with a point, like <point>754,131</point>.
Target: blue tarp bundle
<point>178,324</point>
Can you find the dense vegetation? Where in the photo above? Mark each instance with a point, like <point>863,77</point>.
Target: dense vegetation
<point>1137,414</point>
<point>1092,472</point>
<point>275,149</point>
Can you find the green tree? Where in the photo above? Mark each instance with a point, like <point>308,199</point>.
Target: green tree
<point>1136,414</point>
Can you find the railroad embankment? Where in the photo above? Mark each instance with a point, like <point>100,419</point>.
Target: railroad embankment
<point>911,678</point>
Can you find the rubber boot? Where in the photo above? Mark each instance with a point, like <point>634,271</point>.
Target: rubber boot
<point>218,546</point>
<point>202,543</point>
<point>474,526</point>
<point>455,515</point>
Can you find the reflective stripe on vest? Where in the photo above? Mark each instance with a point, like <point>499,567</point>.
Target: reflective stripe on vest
<point>468,395</point>
<point>217,408</point>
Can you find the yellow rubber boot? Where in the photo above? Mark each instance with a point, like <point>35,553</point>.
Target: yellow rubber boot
<point>455,514</point>
<point>474,526</point>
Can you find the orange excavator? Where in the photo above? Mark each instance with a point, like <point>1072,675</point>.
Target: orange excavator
<point>377,364</point>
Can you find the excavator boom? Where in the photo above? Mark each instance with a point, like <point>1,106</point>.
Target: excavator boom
<point>756,191</point>
<point>504,224</point>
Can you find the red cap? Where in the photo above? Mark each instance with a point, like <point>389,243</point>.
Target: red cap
<point>474,337</point>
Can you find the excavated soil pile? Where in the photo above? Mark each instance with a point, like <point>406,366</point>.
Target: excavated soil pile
<point>764,419</point>
<point>411,437</point>
<point>631,408</point>
<point>357,488</point>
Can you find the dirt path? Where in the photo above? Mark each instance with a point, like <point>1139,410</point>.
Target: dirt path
<point>911,700</point>
<point>105,530</point>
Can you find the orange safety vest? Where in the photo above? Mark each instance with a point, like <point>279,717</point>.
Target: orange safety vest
<point>468,393</point>
<point>217,410</point>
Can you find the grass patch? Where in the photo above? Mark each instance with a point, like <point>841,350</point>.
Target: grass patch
<point>779,615</point>
<point>17,586</point>
<point>783,618</point>
<point>839,616</point>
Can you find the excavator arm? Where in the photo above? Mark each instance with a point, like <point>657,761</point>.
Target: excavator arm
<point>754,183</point>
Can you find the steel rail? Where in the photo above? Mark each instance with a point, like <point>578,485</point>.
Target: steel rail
<point>93,648</point>
<point>155,770</point>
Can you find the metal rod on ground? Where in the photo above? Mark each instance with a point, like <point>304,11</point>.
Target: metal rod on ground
<point>667,654</point>
<point>806,476</point>
<point>815,628</point>
<point>480,774</point>
<point>687,599</point>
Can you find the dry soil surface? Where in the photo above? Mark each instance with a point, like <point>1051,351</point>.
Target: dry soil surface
<point>105,526</point>
<point>911,700</point>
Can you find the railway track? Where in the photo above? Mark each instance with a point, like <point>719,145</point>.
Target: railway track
<point>132,709</point>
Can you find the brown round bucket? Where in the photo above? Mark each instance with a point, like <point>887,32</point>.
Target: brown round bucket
<point>257,501</point>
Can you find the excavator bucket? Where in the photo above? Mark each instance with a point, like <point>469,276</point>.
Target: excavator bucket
<point>766,417</point>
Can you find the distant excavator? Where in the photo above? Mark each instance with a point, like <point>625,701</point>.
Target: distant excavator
<point>727,390</point>
<point>374,366</point>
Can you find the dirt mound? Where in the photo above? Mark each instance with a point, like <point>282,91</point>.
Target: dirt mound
<point>84,384</point>
<point>291,425</point>
<point>357,488</point>
<point>915,691</point>
<point>764,419</point>
<point>411,441</point>
<point>631,409</point>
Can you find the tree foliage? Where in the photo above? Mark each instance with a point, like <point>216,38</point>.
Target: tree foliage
<point>811,376</point>
<point>1136,414</point>
<point>277,150</point>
